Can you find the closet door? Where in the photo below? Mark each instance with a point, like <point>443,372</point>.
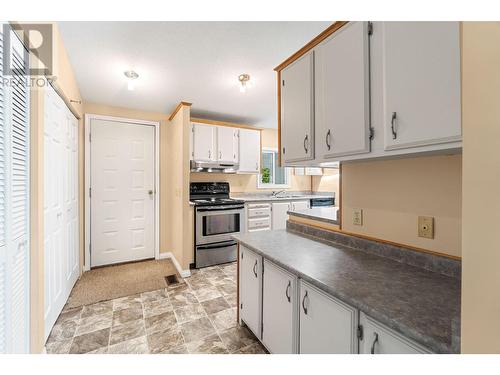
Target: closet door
<point>60,207</point>
<point>14,203</point>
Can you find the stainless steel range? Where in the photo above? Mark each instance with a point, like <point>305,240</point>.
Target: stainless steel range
<point>217,218</point>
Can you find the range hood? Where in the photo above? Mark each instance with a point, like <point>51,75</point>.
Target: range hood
<point>213,167</point>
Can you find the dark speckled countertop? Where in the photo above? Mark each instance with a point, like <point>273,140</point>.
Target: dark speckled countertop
<point>420,304</point>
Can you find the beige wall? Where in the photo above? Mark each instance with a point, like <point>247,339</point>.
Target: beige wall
<point>481,188</point>
<point>179,231</point>
<point>328,182</point>
<point>247,183</point>
<point>392,193</point>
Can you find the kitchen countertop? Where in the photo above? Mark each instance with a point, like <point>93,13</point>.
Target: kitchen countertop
<point>324,214</point>
<point>292,196</point>
<point>420,304</point>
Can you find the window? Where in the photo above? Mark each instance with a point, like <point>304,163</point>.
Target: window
<point>272,175</point>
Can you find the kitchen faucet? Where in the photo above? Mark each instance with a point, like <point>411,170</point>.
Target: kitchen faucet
<point>276,193</point>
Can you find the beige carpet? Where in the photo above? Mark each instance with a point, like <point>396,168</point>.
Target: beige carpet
<point>122,280</point>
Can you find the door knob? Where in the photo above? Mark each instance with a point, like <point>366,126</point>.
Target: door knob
<point>150,192</point>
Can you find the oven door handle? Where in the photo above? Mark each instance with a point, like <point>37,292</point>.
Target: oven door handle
<point>220,208</point>
<point>208,247</point>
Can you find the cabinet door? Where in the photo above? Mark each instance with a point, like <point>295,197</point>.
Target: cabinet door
<point>279,215</point>
<point>378,339</point>
<point>249,150</point>
<point>236,145</point>
<point>204,142</point>
<point>299,205</point>
<point>279,302</point>
<point>342,87</point>
<point>297,114</point>
<point>251,289</point>
<point>327,326</point>
<point>226,152</point>
<point>421,78</point>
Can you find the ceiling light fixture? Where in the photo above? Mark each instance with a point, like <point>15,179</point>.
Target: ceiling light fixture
<point>132,76</point>
<point>245,82</point>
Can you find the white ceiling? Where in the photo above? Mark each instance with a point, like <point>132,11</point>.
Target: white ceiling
<point>198,62</point>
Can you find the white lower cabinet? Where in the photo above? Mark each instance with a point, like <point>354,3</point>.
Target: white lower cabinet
<point>289,315</point>
<point>379,339</point>
<point>279,312</point>
<point>280,215</point>
<point>251,290</point>
<point>327,325</point>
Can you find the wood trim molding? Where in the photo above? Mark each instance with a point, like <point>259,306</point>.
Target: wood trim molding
<point>177,109</point>
<point>318,224</point>
<point>224,123</point>
<point>278,81</point>
<point>313,43</point>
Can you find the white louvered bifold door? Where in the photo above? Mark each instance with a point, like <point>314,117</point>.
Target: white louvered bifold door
<point>14,202</point>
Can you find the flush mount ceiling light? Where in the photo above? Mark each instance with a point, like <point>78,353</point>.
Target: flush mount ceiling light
<point>244,81</point>
<point>132,76</point>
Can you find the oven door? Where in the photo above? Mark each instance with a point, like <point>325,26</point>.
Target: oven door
<point>218,223</point>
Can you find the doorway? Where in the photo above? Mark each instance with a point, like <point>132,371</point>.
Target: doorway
<point>122,184</point>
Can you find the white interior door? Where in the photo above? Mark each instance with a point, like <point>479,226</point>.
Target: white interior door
<point>61,241</point>
<point>122,181</point>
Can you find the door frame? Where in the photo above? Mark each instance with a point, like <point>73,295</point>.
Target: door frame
<point>88,120</point>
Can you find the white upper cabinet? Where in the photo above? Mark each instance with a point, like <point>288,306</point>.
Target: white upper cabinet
<point>204,141</point>
<point>227,144</point>
<point>421,83</point>
<point>297,110</point>
<point>342,96</point>
<point>249,151</point>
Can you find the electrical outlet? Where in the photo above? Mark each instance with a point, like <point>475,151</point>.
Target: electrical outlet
<point>357,216</point>
<point>426,227</point>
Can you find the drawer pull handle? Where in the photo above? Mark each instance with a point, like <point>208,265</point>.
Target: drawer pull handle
<point>393,126</point>
<point>305,143</point>
<point>287,292</point>
<point>375,340</point>
<point>255,268</point>
<point>327,139</point>
<point>304,303</point>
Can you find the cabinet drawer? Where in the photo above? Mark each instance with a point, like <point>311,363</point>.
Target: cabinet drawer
<point>258,205</point>
<point>259,212</point>
<point>259,223</point>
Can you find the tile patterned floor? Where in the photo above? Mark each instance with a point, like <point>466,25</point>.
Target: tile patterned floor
<point>198,315</point>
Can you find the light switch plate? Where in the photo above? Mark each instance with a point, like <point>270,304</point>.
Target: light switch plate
<point>357,216</point>
<point>426,227</point>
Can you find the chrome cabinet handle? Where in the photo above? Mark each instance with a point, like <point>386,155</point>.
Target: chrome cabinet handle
<point>257,166</point>
<point>287,291</point>
<point>255,268</point>
<point>327,139</point>
<point>220,154</point>
<point>305,143</point>
<point>393,126</point>
<point>304,303</point>
<point>375,340</point>
<point>209,154</point>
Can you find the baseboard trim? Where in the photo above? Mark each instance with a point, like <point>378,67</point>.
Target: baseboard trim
<point>169,255</point>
